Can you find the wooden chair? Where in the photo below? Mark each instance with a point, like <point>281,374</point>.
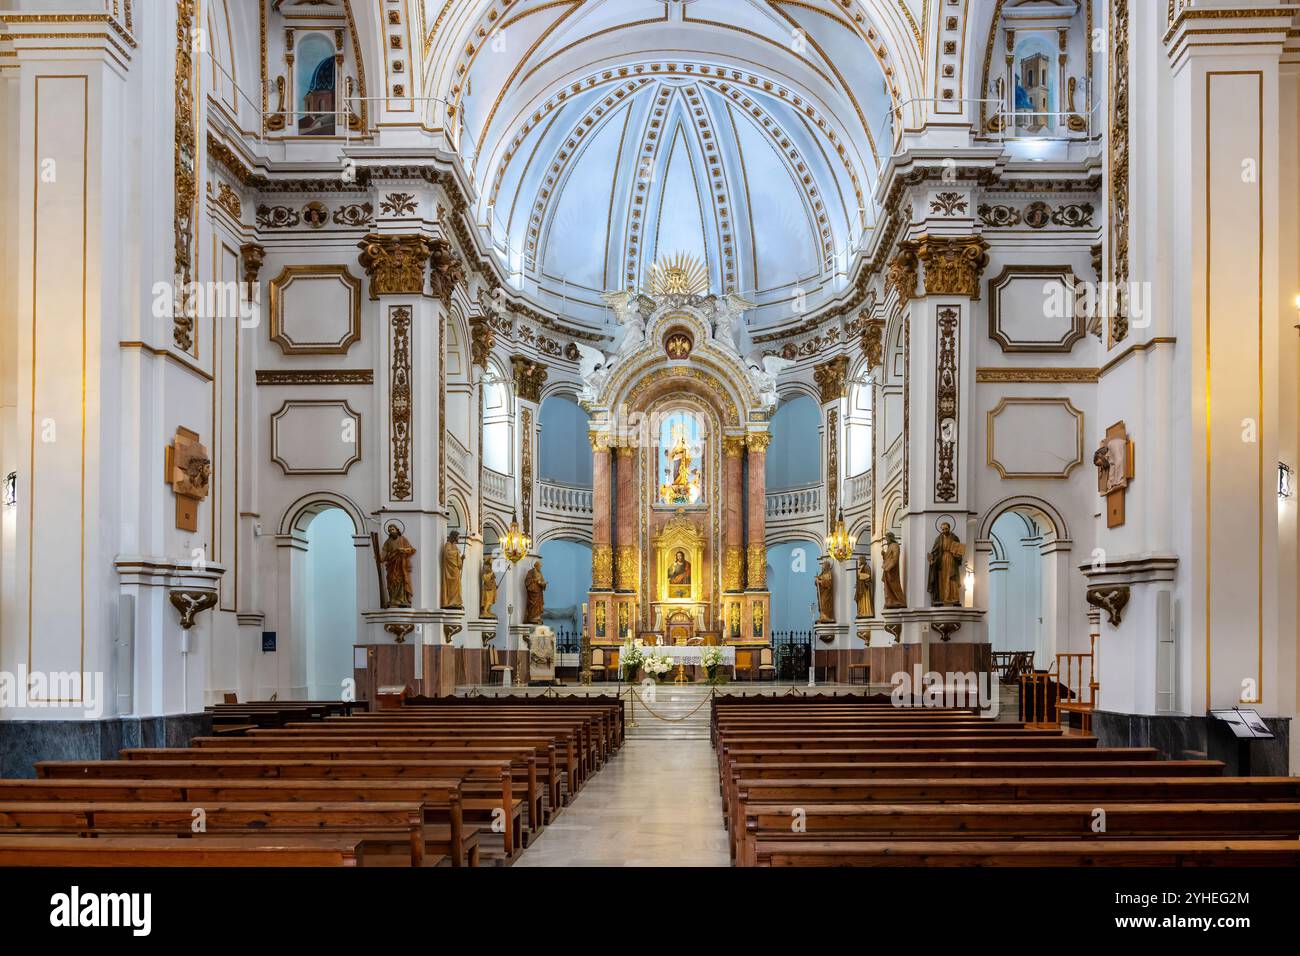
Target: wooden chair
<point>599,669</point>
<point>496,670</point>
<point>766,669</point>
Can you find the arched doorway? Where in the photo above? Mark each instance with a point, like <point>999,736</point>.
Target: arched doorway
<point>791,568</point>
<point>330,606</point>
<point>567,566</point>
<point>1024,551</point>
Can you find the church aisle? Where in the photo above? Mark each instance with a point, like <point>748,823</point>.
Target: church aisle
<point>655,804</point>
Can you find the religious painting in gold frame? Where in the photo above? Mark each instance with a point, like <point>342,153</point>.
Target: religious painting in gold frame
<point>679,559</point>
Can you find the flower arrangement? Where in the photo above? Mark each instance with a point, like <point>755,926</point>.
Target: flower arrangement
<point>656,665</point>
<point>630,656</point>
<point>711,659</point>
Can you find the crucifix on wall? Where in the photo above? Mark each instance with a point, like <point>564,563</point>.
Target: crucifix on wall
<point>1114,461</point>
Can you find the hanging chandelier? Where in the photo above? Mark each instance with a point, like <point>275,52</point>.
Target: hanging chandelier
<point>839,543</point>
<point>516,544</point>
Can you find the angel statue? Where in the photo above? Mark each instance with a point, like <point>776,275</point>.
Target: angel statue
<point>765,377</point>
<point>730,309</point>
<point>593,370</point>
<point>628,312</point>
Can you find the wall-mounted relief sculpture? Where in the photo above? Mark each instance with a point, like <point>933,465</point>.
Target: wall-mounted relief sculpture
<point>315,310</point>
<point>1114,461</point>
<point>1035,309</point>
<point>189,472</point>
<point>316,437</point>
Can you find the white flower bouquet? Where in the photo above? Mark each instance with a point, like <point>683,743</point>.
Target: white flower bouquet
<point>630,656</point>
<point>656,665</point>
<point>711,658</point>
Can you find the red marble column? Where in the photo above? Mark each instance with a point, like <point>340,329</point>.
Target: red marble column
<point>756,557</point>
<point>733,497</point>
<point>625,533</point>
<point>602,544</point>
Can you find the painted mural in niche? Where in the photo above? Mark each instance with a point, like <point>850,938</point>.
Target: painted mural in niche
<point>681,459</point>
<point>1036,92</point>
<point>315,83</point>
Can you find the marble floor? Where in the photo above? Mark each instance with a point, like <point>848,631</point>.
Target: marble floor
<point>654,804</point>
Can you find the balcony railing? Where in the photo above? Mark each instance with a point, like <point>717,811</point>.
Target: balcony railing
<point>564,499</point>
<point>498,487</point>
<point>795,503</point>
<point>857,490</point>
<point>458,456</point>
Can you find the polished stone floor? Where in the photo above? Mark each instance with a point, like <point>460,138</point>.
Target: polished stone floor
<point>654,804</point>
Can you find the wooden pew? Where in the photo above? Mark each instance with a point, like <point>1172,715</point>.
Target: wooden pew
<point>522,760</point>
<point>1036,853</point>
<point>439,799</point>
<point>766,823</point>
<point>380,825</point>
<point>154,851</point>
<point>196,769</point>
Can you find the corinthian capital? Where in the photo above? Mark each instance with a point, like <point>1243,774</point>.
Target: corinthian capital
<point>953,265</point>
<point>395,264</point>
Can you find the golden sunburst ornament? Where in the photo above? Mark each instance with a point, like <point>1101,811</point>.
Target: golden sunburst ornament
<point>679,274</point>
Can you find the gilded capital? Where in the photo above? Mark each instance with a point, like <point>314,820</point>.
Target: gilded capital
<point>599,442</point>
<point>395,264</point>
<point>757,442</point>
<point>624,451</point>
<point>901,273</point>
<point>530,377</point>
<point>445,270</point>
<point>831,378</point>
<point>953,266</point>
<point>482,338</point>
<point>733,446</point>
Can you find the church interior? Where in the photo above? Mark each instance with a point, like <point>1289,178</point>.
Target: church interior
<point>438,420</point>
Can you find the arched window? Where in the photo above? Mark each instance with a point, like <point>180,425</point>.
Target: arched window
<point>791,568</point>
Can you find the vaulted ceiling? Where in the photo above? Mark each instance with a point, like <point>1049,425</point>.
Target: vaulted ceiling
<point>605,134</point>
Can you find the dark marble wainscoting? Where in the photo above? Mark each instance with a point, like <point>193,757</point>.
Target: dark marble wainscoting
<point>23,742</point>
<point>1189,738</point>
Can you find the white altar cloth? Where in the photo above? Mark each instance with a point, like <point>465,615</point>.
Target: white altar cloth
<point>690,653</point>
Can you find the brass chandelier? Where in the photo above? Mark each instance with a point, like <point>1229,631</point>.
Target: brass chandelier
<point>516,544</point>
<point>839,543</point>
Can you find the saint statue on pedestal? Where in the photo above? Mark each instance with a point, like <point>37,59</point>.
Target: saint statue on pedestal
<point>944,581</point>
<point>825,581</point>
<point>396,557</point>
<point>487,595</point>
<point>452,562</point>
<point>891,559</point>
<point>535,591</point>
<point>864,593</point>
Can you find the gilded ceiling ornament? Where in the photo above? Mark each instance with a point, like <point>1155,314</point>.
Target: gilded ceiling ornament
<point>251,257</point>
<point>185,168</point>
<point>949,203</point>
<point>354,214</point>
<point>953,266</point>
<point>482,339</point>
<point>1118,173</point>
<point>395,264</point>
<point>277,217</point>
<point>831,378</point>
<point>999,216</point>
<point>315,214</point>
<point>229,200</point>
<point>530,377</point>
<point>902,272</point>
<point>873,343</point>
<point>681,274</point>
<point>399,401</point>
<point>446,271</point>
<point>398,204</point>
<point>323,376</point>
<point>945,406</point>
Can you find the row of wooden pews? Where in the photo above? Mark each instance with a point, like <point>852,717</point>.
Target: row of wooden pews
<point>859,782</point>
<point>437,782</point>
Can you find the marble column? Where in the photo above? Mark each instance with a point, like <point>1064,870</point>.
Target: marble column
<point>602,550</point>
<point>733,519</point>
<point>756,556</point>
<point>626,551</point>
